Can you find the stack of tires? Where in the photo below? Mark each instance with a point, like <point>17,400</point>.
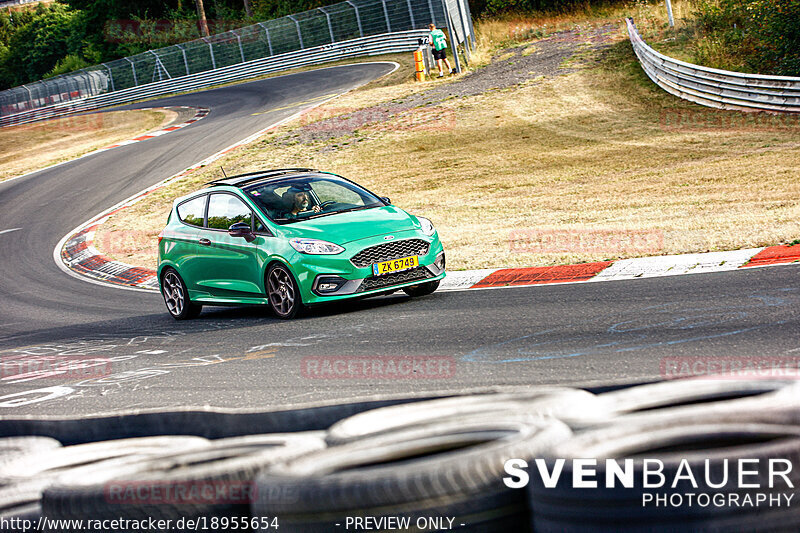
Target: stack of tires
<point>431,463</point>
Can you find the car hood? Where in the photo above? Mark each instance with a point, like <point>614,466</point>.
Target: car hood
<point>352,226</point>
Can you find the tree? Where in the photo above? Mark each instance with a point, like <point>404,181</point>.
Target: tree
<point>201,15</point>
<point>35,48</point>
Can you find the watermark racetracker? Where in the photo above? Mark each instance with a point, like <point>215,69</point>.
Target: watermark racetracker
<point>594,240</point>
<point>378,367</point>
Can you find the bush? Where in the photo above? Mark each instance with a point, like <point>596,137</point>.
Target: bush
<point>68,64</point>
<point>763,34</point>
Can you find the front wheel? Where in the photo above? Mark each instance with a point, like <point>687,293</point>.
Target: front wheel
<point>176,296</point>
<point>282,292</point>
<point>423,289</point>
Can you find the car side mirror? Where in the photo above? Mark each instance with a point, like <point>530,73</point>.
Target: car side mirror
<point>241,229</point>
<point>385,199</point>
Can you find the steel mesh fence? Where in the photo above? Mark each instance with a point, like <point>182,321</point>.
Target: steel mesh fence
<point>352,19</point>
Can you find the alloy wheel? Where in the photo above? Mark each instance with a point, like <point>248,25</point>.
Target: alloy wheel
<point>174,296</point>
<point>281,291</point>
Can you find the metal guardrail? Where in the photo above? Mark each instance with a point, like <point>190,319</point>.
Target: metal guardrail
<point>710,87</point>
<point>374,45</point>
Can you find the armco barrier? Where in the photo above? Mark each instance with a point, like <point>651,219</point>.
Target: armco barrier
<point>374,45</point>
<point>716,88</point>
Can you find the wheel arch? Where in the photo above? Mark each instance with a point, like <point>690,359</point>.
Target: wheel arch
<point>279,261</point>
<point>163,265</point>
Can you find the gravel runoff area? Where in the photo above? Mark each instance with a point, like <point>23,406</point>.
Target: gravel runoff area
<point>545,58</point>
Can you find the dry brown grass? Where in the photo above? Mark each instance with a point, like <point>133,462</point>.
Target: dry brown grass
<point>598,149</point>
<point>30,147</point>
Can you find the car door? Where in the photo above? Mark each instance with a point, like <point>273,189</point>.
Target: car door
<point>184,247</point>
<point>231,266</point>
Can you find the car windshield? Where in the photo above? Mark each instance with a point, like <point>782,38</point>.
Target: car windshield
<point>301,198</point>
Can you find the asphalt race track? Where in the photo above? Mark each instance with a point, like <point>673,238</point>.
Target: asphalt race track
<point>586,333</point>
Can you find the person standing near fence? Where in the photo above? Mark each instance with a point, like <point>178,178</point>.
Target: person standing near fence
<point>439,43</point>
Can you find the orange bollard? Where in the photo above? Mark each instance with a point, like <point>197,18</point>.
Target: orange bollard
<point>419,65</point>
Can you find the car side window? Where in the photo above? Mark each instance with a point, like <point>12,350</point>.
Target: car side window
<point>224,210</point>
<point>193,212</point>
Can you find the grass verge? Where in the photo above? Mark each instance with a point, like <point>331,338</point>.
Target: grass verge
<point>597,151</point>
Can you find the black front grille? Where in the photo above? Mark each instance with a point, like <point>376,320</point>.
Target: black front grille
<point>390,250</point>
<point>414,274</point>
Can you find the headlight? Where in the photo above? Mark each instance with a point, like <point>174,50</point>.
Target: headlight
<point>427,226</point>
<point>315,247</point>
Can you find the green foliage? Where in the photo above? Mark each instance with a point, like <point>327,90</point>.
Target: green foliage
<point>68,64</point>
<point>35,47</point>
<point>763,36</point>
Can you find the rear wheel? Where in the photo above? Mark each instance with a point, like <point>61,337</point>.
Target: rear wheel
<point>282,292</point>
<point>176,296</point>
<point>423,289</point>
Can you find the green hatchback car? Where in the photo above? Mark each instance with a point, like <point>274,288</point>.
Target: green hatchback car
<point>290,238</point>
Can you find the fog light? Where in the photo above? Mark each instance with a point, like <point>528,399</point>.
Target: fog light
<point>440,261</point>
<point>328,284</point>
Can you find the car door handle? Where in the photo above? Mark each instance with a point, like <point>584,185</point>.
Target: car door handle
<point>205,242</point>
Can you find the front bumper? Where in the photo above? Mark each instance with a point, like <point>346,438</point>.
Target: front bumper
<point>338,277</point>
<point>421,273</point>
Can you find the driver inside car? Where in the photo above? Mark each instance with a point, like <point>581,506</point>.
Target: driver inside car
<point>297,201</point>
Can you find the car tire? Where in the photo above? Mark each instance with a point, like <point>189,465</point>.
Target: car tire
<point>12,448</point>
<point>423,289</point>
<point>452,469</point>
<point>282,292</point>
<point>49,463</point>
<point>176,296</point>
<point>226,465</point>
<point>545,401</point>
<point>679,448</point>
<point>690,399</point>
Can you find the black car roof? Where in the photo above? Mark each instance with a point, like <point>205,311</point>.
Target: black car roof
<point>242,179</point>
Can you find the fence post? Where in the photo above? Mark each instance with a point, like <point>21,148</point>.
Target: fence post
<point>433,12</point>
<point>449,22</point>
<point>157,68</point>
<point>269,39</point>
<point>465,30</point>
<point>211,51</point>
<point>386,15</point>
<point>411,15</point>
<point>185,59</point>
<point>57,81</point>
<point>133,69</point>
<point>299,34</point>
<point>669,14</point>
<point>471,25</point>
<point>358,18</point>
<point>30,95</point>
<point>330,27</point>
<point>241,50</point>
<point>110,76</point>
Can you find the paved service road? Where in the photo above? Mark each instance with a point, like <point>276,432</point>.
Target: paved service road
<point>135,355</point>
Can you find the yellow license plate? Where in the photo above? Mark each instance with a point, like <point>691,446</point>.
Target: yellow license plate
<point>395,265</point>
